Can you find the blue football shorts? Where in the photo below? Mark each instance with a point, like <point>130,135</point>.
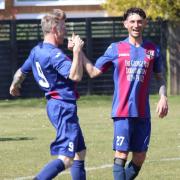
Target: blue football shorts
<point>69,137</point>
<point>131,134</point>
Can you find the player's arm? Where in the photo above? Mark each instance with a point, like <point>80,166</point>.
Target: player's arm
<point>103,63</point>
<point>76,71</point>
<point>89,67</point>
<point>16,83</point>
<point>86,63</point>
<point>162,106</point>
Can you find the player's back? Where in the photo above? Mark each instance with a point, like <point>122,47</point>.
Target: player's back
<point>51,68</point>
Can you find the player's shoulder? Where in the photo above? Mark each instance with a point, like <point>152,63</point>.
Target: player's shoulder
<point>37,48</point>
<point>114,45</point>
<point>149,43</point>
<point>124,42</point>
<point>34,49</point>
<point>56,53</point>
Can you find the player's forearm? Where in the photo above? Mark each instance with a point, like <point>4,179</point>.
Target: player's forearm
<point>162,85</point>
<point>89,67</point>
<point>162,91</point>
<point>76,71</point>
<point>162,106</point>
<point>18,78</point>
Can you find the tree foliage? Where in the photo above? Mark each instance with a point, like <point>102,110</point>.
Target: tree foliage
<point>166,9</point>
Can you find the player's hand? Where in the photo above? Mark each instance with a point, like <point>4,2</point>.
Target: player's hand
<point>71,42</point>
<point>14,90</point>
<point>162,107</point>
<point>78,44</point>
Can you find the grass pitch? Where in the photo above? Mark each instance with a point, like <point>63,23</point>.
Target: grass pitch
<point>25,135</point>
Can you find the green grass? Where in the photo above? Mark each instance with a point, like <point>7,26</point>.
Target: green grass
<point>25,135</point>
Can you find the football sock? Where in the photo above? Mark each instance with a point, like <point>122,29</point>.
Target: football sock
<point>118,169</point>
<point>51,170</point>
<point>78,171</point>
<point>131,171</point>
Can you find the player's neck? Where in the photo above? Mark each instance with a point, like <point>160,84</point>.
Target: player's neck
<point>50,39</point>
<point>135,41</point>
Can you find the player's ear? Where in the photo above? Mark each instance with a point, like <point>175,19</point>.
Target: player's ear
<point>54,30</point>
<point>125,24</point>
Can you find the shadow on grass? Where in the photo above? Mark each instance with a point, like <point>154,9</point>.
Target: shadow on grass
<point>16,138</point>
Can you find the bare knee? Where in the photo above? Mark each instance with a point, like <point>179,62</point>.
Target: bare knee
<point>121,154</point>
<point>67,161</point>
<point>80,155</point>
<point>138,158</point>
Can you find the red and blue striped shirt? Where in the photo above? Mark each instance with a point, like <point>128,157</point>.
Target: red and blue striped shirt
<point>133,67</point>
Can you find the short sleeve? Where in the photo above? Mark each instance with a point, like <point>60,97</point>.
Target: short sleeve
<point>27,66</point>
<point>157,67</point>
<point>61,63</point>
<point>105,61</point>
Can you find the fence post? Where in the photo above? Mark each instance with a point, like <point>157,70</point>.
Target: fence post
<point>13,46</point>
<point>174,49</point>
<point>163,45</point>
<point>89,50</point>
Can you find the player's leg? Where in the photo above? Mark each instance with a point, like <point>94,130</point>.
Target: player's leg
<point>134,166</point>
<point>122,132</point>
<point>53,168</point>
<point>139,146</point>
<point>62,118</point>
<point>119,164</point>
<point>78,171</point>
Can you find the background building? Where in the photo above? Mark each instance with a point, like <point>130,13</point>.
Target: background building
<point>35,9</point>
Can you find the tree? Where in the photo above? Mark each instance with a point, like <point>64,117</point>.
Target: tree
<point>166,9</point>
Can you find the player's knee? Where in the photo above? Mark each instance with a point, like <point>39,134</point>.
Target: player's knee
<point>138,158</point>
<point>120,162</point>
<point>80,155</point>
<point>67,161</point>
<point>121,154</point>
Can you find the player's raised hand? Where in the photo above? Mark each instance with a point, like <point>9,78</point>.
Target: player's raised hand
<point>162,107</point>
<point>78,43</point>
<point>71,41</point>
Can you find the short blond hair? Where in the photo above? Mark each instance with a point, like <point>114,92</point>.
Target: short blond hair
<point>52,19</point>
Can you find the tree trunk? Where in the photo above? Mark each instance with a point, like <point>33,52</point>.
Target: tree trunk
<point>174,50</point>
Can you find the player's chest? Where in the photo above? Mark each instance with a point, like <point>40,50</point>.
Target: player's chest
<point>135,57</point>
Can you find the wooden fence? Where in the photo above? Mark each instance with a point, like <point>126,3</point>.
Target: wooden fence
<point>17,37</point>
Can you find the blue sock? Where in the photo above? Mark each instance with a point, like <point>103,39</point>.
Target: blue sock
<point>132,171</point>
<point>118,172</point>
<point>51,170</point>
<point>78,171</point>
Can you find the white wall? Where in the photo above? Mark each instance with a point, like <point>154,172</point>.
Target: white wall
<point>57,2</point>
<point>73,14</point>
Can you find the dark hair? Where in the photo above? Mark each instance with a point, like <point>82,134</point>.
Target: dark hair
<point>134,10</point>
